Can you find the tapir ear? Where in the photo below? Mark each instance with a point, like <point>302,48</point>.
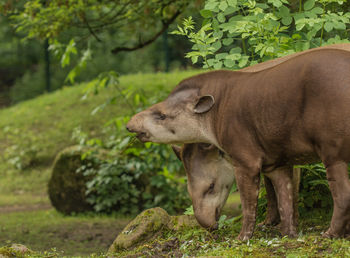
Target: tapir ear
<point>177,150</point>
<point>204,104</point>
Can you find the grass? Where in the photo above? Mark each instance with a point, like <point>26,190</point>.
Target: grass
<point>73,235</point>
<point>266,242</point>
<point>31,134</point>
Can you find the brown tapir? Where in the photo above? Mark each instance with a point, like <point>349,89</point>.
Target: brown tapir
<point>210,177</point>
<point>293,113</point>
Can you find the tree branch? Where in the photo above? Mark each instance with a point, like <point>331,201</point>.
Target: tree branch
<point>145,43</point>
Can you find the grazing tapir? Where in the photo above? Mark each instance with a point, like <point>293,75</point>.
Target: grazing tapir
<point>295,112</point>
<point>210,177</point>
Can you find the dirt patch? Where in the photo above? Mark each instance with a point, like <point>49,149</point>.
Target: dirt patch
<point>20,208</point>
<point>87,237</point>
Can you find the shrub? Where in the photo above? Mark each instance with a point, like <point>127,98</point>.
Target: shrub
<point>136,175</point>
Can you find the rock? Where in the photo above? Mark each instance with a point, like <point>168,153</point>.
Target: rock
<point>16,250</point>
<point>20,248</point>
<point>181,222</point>
<point>67,186</point>
<point>147,226</point>
<point>142,228</point>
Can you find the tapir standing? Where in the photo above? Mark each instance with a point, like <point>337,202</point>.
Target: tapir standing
<point>296,112</point>
<point>210,175</point>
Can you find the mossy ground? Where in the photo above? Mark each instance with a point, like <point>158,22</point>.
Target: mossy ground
<point>265,243</point>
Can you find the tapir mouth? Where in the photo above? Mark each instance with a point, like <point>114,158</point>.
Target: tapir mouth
<point>142,136</point>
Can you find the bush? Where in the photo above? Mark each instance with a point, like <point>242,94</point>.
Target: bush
<point>135,176</point>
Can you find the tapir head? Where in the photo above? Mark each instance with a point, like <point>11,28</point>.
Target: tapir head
<point>210,178</point>
<point>178,119</point>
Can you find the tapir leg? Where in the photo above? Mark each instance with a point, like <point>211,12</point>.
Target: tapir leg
<point>281,179</point>
<point>272,214</point>
<point>296,186</point>
<point>339,184</point>
<point>248,186</point>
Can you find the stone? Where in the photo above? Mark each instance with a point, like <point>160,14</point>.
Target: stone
<point>67,186</point>
<point>147,226</point>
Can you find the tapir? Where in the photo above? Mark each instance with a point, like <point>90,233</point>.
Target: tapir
<point>295,112</point>
<point>210,178</point>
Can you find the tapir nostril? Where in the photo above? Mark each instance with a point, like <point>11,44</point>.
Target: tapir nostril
<point>217,214</point>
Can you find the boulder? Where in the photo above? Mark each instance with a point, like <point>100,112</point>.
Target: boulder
<point>147,226</point>
<point>15,250</point>
<point>67,185</point>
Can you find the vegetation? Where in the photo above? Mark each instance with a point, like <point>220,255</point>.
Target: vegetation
<point>237,33</point>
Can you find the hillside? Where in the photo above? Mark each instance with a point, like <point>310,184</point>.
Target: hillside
<point>33,132</point>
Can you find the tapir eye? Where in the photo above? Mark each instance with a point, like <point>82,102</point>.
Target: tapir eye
<point>209,190</point>
<point>159,115</point>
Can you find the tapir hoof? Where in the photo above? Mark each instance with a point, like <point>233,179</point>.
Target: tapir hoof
<point>330,234</point>
<point>290,233</point>
<point>244,236</point>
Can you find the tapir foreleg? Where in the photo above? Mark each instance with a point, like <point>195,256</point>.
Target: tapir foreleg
<point>248,186</point>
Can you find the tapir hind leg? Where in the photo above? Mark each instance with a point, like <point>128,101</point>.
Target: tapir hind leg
<point>272,214</point>
<point>281,179</point>
<point>339,184</point>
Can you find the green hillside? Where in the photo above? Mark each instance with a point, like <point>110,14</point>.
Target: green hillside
<point>33,132</point>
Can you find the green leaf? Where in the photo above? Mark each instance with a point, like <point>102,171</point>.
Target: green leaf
<point>309,4</point>
<point>223,5</point>
<point>227,41</point>
<point>229,63</point>
<point>328,26</point>
<point>317,10</point>
<point>232,3</point>
<point>221,17</point>
<point>217,45</point>
<point>206,13</point>
<point>194,59</point>
<point>211,5</point>
<point>218,65</point>
<point>287,20</point>
<point>235,50</point>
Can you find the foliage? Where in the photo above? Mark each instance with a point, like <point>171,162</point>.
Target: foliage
<point>80,27</point>
<point>136,176</point>
<point>314,190</point>
<point>237,33</point>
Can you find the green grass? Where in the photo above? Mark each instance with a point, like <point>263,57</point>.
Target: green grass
<point>266,242</point>
<point>73,235</point>
<point>43,126</point>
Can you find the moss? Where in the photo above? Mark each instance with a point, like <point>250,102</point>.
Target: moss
<point>144,227</point>
<point>66,186</point>
<point>16,250</point>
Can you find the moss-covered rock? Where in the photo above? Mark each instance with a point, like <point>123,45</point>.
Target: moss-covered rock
<point>15,250</point>
<point>142,228</point>
<point>147,226</point>
<point>67,186</point>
